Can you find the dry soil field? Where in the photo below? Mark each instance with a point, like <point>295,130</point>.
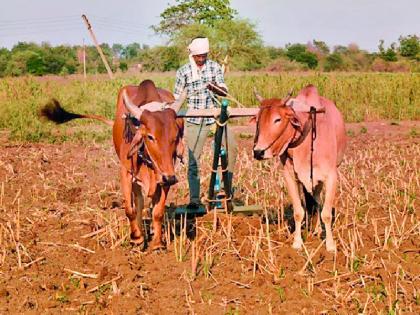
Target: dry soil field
<point>64,244</point>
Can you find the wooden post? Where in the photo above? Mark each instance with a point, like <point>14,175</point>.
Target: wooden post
<point>89,27</point>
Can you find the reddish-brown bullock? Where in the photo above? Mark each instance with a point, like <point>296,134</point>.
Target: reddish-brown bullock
<point>147,152</point>
<point>284,129</point>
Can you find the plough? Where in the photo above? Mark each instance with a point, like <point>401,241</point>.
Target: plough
<point>221,200</point>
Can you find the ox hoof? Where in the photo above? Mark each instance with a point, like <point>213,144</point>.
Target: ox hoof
<point>297,244</point>
<point>139,240</point>
<point>157,245</point>
<point>331,247</point>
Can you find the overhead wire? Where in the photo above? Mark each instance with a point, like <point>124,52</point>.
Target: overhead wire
<point>69,23</point>
<point>39,19</point>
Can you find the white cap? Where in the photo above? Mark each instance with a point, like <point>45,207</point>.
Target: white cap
<point>199,46</point>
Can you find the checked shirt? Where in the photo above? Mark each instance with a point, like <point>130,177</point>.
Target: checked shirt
<point>198,96</point>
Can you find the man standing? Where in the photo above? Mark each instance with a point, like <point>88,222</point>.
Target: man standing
<point>202,79</point>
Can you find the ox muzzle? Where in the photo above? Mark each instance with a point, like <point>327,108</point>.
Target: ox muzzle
<point>168,180</point>
<point>259,154</point>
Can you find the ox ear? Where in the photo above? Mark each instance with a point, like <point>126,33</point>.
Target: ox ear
<point>295,122</point>
<point>135,145</point>
<point>291,115</point>
<point>252,120</point>
<point>136,142</point>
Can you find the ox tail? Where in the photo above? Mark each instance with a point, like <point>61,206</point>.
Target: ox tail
<point>53,111</point>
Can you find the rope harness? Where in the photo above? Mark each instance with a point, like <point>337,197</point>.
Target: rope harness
<point>130,125</point>
<point>312,115</point>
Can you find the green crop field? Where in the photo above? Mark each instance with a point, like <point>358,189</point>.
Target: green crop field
<point>359,96</point>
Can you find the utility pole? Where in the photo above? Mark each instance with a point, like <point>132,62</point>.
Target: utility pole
<point>84,59</point>
<point>89,27</point>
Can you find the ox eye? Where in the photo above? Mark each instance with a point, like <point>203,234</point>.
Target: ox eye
<point>150,137</point>
<point>277,120</point>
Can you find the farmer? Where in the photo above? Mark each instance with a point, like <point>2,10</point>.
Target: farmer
<point>202,79</point>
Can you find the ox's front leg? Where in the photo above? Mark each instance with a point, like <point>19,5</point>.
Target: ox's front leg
<point>159,200</point>
<point>298,211</point>
<point>326,214</point>
<point>126,186</point>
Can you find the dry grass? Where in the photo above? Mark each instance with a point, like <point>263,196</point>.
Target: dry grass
<point>359,96</point>
<point>64,239</point>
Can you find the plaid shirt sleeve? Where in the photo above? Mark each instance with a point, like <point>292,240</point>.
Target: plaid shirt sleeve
<point>179,83</point>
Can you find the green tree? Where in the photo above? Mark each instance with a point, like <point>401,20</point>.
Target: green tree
<point>24,46</point>
<point>389,55</point>
<point>117,50</point>
<point>187,12</point>
<point>123,66</point>
<point>4,58</point>
<point>409,46</point>
<point>131,51</point>
<point>274,52</point>
<point>236,38</point>
<point>294,50</point>
<point>16,66</point>
<point>334,62</point>
<point>54,62</point>
<point>321,46</point>
<point>35,63</point>
<point>381,46</point>
<point>341,49</point>
<point>299,53</point>
<point>161,58</point>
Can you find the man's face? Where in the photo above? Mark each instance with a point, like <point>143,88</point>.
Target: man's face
<point>200,59</point>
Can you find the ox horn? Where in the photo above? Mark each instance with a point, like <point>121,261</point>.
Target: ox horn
<point>133,109</point>
<point>258,96</point>
<point>288,96</point>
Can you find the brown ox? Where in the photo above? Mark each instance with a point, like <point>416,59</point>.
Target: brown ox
<point>147,153</point>
<point>284,129</point>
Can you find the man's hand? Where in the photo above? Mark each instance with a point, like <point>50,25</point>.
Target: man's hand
<point>221,91</point>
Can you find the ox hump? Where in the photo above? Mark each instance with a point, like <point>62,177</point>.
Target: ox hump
<point>308,97</point>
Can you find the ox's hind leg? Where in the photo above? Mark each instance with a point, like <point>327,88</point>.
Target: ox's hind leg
<point>127,189</point>
<point>326,214</point>
<point>298,211</point>
<point>313,207</point>
<point>159,200</point>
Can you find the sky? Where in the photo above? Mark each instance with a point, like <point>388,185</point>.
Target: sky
<point>337,22</point>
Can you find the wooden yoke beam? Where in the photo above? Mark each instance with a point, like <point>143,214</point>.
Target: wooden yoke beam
<point>215,112</point>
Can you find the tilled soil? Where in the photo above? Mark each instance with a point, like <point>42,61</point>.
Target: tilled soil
<point>64,244</point>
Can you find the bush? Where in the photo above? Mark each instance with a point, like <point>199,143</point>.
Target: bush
<point>380,65</point>
<point>389,55</point>
<point>409,46</point>
<point>284,64</point>
<point>123,66</point>
<point>334,62</point>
